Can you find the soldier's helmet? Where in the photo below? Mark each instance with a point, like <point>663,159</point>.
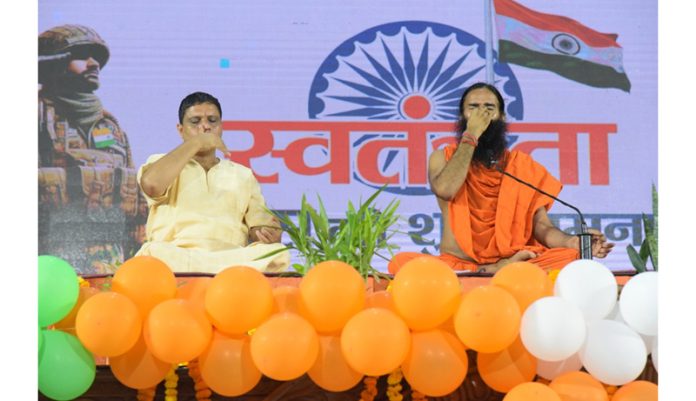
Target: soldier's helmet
<point>67,41</point>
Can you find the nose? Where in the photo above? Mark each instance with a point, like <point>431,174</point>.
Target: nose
<point>92,62</point>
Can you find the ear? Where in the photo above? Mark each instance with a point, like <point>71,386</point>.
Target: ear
<point>180,129</point>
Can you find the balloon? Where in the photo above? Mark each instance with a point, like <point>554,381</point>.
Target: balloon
<point>525,281</point>
<point>615,315</point>
<point>552,369</point>
<point>285,346</point>
<point>639,390</point>
<point>138,368</point>
<point>331,371</point>
<point>508,368</point>
<point>375,341</point>
<point>176,331</point>
<point>532,391</point>
<point>332,292</point>
<point>590,286</point>
<point>238,299</point>
<point>638,303</point>
<point>194,290</point>
<point>488,319</point>
<point>579,386</point>
<point>66,368</point>
<point>108,324</point>
<point>436,364</point>
<point>380,299</point>
<point>287,299</point>
<point>613,353</point>
<point>67,324</point>
<point>58,289</point>
<point>552,329</point>
<point>426,292</point>
<point>226,365</point>
<point>146,280</point>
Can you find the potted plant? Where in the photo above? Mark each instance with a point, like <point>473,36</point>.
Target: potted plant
<point>648,248</point>
<point>365,232</point>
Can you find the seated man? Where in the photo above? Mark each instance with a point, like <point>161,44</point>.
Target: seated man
<point>490,220</point>
<point>206,213</point>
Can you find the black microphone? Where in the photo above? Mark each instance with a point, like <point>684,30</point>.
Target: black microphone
<point>585,237</point>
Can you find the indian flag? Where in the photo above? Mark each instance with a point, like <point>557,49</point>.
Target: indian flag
<point>559,44</point>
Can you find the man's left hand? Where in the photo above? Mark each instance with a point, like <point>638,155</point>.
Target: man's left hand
<point>600,246</point>
<point>266,235</point>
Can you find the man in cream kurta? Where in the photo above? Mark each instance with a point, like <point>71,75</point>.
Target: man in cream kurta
<point>206,213</point>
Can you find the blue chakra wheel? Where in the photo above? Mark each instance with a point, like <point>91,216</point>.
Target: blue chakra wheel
<point>408,70</point>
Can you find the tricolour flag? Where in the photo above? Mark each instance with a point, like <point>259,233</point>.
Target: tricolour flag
<point>559,44</point>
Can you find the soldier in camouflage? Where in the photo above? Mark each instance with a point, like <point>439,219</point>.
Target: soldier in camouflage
<point>88,194</point>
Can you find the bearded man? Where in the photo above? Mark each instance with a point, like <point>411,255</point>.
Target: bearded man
<point>490,220</point>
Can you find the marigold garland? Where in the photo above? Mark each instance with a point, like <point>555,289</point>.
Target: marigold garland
<point>203,392</point>
<point>171,381</point>
<point>394,385</point>
<point>370,391</point>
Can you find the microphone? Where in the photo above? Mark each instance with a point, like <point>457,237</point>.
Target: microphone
<point>585,237</point>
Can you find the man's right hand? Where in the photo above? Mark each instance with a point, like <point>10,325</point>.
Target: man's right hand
<point>478,121</point>
<point>208,141</point>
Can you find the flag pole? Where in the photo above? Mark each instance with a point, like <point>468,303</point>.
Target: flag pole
<point>488,30</point>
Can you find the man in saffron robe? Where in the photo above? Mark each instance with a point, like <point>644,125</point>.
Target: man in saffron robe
<point>491,220</point>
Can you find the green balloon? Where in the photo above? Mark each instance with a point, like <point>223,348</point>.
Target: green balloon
<point>58,289</point>
<point>66,368</point>
<point>41,343</point>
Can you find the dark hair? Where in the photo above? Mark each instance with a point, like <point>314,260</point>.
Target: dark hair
<point>479,85</point>
<point>194,99</point>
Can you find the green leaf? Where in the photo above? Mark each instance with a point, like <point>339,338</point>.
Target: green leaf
<point>638,263</point>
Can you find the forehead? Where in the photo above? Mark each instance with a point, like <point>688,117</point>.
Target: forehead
<point>481,96</point>
<point>202,110</point>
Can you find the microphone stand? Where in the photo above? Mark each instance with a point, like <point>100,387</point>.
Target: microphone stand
<point>585,237</point>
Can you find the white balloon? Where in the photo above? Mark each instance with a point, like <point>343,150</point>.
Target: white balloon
<point>613,353</point>
<point>552,329</point>
<point>638,303</point>
<point>653,351</point>
<point>550,370</point>
<point>615,315</point>
<point>589,285</point>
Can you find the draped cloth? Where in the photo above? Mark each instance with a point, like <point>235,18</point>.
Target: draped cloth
<point>492,215</point>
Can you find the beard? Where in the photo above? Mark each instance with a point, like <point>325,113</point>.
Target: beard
<point>491,144</point>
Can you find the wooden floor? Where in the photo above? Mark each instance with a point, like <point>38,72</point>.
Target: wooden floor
<point>107,388</point>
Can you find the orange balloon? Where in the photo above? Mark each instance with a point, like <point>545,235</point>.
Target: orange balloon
<point>285,346</point>
<point>375,341</point>
<point>146,280</point>
<point>332,292</point>
<point>488,319</point>
<point>532,391</point>
<point>108,324</point>
<point>639,390</point>
<point>193,290</point>
<point>226,365</point>
<point>238,299</point>
<point>525,281</point>
<point>436,364</point>
<point>138,368</point>
<point>380,299</point>
<point>426,292</point>
<point>176,331</point>
<point>287,299</point>
<point>508,368</point>
<point>67,324</point>
<point>579,386</point>
<point>331,371</point>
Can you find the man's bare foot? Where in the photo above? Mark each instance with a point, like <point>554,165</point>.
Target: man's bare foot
<point>519,256</point>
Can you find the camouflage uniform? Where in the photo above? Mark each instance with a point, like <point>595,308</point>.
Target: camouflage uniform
<point>88,193</point>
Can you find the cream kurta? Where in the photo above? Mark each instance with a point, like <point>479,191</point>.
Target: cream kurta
<point>201,223</point>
